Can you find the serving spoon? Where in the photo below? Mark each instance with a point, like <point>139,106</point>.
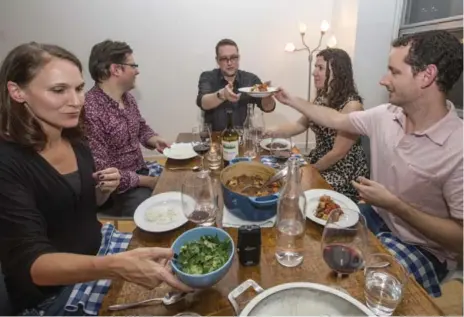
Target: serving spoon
<point>278,176</point>
<point>168,299</point>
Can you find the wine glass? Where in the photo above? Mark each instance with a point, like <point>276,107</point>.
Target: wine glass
<point>201,142</point>
<point>344,242</point>
<point>204,126</point>
<point>239,129</point>
<point>281,148</point>
<point>199,202</point>
<point>249,144</point>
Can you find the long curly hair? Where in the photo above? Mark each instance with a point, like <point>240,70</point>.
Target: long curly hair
<point>341,87</point>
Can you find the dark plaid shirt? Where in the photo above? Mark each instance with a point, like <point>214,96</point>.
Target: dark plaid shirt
<point>211,82</point>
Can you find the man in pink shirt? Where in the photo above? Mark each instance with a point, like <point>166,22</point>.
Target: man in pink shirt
<point>114,126</point>
<point>416,190</point>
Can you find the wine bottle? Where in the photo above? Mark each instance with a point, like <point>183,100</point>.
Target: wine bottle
<point>230,140</point>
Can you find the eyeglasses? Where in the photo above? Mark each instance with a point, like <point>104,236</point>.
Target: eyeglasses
<point>225,59</point>
<point>131,65</point>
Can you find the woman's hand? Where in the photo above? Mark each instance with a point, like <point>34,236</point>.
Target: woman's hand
<point>284,97</point>
<point>108,179</point>
<point>147,267</point>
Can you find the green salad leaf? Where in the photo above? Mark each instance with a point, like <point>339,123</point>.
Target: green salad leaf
<point>203,256</point>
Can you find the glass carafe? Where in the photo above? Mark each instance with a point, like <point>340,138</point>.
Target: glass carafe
<point>291,218</point>
<point>249,137</point>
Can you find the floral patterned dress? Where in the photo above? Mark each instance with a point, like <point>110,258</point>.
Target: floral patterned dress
<point>349,168</point>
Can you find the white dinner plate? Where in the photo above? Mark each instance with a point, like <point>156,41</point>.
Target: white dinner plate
<point>258,94</point>
<point>350,216</point>
<point>180,151</point>
<point>266,142</point>
<point>162,212</point>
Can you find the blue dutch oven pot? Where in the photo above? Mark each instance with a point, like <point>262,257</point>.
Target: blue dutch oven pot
<point>248,207</point>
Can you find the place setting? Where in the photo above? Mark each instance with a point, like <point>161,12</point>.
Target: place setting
<point>321,202</point>
<point>200,145</point>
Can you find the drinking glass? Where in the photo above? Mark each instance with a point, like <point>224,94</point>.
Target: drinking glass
<point>214,157</point>
<point>201,142</point>
<point>199,202</point>
<point>385,279</point>
<point>281,149</point>
<point>344,242</point>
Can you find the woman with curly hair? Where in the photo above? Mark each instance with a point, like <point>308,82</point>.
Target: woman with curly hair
<point>338,156</point>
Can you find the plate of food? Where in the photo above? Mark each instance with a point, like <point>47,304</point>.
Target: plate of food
<point>162,212</point>
<point>258,90</point>
<point>180,151</point>
<point>276,144</point>
<point>320,202</point>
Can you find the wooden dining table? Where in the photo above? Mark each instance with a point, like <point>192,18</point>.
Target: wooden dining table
<point>268,273</point>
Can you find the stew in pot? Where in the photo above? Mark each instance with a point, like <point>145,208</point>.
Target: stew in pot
<point>237,184</point>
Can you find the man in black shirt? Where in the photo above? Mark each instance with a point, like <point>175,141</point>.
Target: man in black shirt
<point>218,89</point>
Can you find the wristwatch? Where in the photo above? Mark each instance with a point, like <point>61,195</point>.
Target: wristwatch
<point>219,96</point>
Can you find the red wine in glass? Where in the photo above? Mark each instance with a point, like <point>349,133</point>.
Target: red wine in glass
<point>201,148</point>
<point>343,259</point>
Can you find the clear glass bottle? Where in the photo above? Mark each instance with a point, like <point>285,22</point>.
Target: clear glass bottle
<point>257,120</point>
<point>249,139</point>
<point>291,218</point>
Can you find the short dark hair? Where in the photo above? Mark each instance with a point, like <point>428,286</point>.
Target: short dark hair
<point>439,48</point>
<point>225,42</point>
<point>20,66</point>
<point>103,55</point>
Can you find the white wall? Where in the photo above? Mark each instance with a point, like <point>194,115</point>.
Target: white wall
<point>174,41</point>
<point>365,29</point>
<point>378,24</point>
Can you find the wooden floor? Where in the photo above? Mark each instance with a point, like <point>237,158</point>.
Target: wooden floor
<point>451,302</point>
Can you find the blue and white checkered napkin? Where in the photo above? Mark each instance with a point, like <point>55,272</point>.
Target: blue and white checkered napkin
<point>272,161</point>
<point>414,261</point>
<point>154,169</point>
<point>89,296</point>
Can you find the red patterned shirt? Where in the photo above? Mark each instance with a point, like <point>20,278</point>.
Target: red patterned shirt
<point>115,134</point>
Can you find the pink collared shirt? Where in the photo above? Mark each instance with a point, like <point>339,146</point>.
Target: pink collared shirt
<point>115,135</point>
<point>423,169</point>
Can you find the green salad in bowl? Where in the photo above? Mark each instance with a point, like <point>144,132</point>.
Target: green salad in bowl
<point>203,256</point>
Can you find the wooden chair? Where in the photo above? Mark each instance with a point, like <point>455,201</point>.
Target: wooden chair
<point>103,217</point>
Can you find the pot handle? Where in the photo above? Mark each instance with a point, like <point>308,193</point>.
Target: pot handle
<point>264,201</point>
<point>239,290</point>
<point>240,159</point>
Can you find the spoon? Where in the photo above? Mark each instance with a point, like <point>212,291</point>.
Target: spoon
<point>193,169</point>
<point>169,299</point>
<point>279,175</point>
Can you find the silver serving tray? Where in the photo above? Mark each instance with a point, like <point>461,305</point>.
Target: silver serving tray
<point>298,299</point>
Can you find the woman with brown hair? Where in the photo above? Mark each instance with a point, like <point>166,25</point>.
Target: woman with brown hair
<point>49,190</point>
<point>338,156</point>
